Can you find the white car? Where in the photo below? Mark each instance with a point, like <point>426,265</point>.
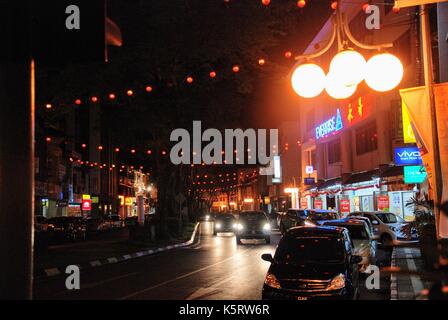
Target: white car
<point>387,226</point>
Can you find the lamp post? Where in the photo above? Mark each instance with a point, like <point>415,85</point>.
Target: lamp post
<point>348,68</point>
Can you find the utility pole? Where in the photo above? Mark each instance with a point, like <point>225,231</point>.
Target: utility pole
<point>16,152</point>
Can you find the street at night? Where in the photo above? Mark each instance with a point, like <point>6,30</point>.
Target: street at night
<point>224,158</point>
<point>214,267</point>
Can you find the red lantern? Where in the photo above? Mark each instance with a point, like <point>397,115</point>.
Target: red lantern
<point>130,93</point>
<point>301,3</point>
<point>266,2</point>
<point>100,148</point>
<point>334,5</point>
<point>111,96</point>
<point>261,62</point>
<point>288,54</point>
<point>48,106</point>
<point>190,79</point>
<point>133,151</point>
<point>117,149</point>
<point>83,145</point>
<point>149,152</point>
<point>94,99</point>
<point>48,139</point>
<point>395,9</point>
<point>78,102</point>
<point>365,6</point>
<point>212,74</point>
<point>148,89</point>
<point>236,69</point>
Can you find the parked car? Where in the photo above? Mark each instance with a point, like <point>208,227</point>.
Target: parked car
<point>369,223</point>
<point>292,218</point>
<point>67,228</point>
<point>223,223</point>
<point>313,263</point>
<point>365,246</point>
<point>387,227</point>
<point>252,225</point>
<point>318,216</point>
<point>114,221</point>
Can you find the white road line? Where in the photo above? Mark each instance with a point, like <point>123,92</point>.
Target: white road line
<point>181,277</point>
<point>208,290</point>
<point>416,282</point>
<point>95,284</point>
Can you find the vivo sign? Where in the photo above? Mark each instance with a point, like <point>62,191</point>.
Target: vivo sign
<point>407,156</point>
<point>330,126</point>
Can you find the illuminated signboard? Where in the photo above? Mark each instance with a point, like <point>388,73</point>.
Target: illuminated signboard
<point>331,126</point>
<point>408,131</point>
<point>407,156</point>
<point>414,174</point>
<point>309,169</point>
<point>86,205</point>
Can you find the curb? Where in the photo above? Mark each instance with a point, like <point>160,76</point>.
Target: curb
<point>55,271</point>
<point>393,277</point>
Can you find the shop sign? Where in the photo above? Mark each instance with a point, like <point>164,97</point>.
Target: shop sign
<point>408,131</point>
<point>331,126</point>
<point>304,203</point>
<point>309,181</point>
<point>383,203</point>
<point>128,201</point>
<point>405,156</point>
<point>95,199</point>
<point>85,196</point>
<point>318,204</point>
<point>44,202</point>
<point>344,205</point>
<point>74,209</point>
<point>62,203</point>
<point>86,205</point>
<point>309,169</point>
<point>357,110</point>
<point>414,174</point>
<point>121,198</point>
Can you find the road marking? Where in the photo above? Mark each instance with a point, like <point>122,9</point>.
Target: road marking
<point>181,277</point>
<point>95,284</point>
<point>207,291</point>
<point>416,282</point>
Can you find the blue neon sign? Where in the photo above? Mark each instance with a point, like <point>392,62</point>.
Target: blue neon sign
<point>405,156</point>
<point>330,126</point>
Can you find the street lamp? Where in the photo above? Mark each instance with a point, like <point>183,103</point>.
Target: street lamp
<point>348,68</point>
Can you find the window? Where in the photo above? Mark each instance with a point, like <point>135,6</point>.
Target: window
<point>334,151</point>
<point>366,139</point>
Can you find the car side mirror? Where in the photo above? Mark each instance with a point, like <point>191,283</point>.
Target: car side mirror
<point>267,257</point>
<point>356,259</point>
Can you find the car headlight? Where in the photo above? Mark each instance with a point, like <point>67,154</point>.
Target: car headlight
<point>218,226</point>
<point>267,227</point>
<point>394,229</point>
<point>337,282</point>
<point>271,281</point>
<point>238,226</point>
<point>207,217</point>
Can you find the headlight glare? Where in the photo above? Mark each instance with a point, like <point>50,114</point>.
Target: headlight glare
<point>271,281</point>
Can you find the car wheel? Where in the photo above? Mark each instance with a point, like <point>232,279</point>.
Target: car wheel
<point>238,240</point>
<point>268,240</point>
<point>386,240</point>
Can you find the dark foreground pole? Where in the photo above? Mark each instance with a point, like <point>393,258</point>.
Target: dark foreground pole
<point>16,151</point>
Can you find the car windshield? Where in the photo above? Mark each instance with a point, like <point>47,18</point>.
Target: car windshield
<point>225,217</point>
<point>252,216</point>
<point>357,232</point>
<point>322,215</point>
<point>389,217</point>
<point>313,249</point>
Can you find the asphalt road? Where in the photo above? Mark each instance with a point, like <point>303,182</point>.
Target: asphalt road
<point>213,268</point>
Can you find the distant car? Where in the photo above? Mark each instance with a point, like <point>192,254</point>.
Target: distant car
<point>40,224</point>
<point>365,246</point>
<point>388,227</point>
<point>313,263</point>
<point>252,225</point>
<point>223,223</point>
<point>67,228</point>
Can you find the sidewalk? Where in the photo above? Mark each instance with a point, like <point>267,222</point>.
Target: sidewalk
<point>404,286</point>
<point>95,254</point>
